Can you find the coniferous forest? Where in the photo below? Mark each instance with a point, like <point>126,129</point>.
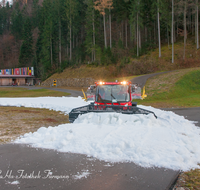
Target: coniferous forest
<point>54,34</point>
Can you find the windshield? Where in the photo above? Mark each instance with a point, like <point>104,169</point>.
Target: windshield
<point>112,93</point>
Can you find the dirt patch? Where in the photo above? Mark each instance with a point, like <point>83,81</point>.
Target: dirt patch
<point>49,120</point>
<point>188,180</point>
<point>15,121</point>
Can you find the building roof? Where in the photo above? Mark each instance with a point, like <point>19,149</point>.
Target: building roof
<point>17,76</point>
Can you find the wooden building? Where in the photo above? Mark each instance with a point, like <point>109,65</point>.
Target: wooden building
<point>18,76</point>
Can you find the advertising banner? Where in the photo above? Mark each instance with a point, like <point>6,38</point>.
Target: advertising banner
<point>18,71</point>
<point>25,69</point>
<point>7,72</point>
<point>32,71</point>
<point>29,71</point>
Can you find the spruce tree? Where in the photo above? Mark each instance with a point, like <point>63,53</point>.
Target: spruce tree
<point>26,51</point>
<point>90,29</point>
<point>17,21</point>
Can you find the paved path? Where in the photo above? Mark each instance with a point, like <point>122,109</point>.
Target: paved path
<point>141,80</point>
<point>22,161</point>
<point>192,114</point>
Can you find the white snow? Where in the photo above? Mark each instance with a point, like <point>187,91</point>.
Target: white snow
<point>64,104</point>
<point>170,141</point>
<point>13,182</point>
<point>83,174</point>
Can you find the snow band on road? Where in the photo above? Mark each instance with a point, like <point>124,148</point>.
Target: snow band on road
<point>170,141</point>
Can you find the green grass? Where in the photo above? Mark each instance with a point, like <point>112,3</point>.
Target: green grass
<point>184,93</point>
<point>23,92</point>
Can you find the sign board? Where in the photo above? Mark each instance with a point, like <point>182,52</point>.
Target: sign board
<point>54,82</point>
<point>18,71</point>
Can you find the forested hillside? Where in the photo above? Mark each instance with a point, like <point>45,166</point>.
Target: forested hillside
<point>54,34</point>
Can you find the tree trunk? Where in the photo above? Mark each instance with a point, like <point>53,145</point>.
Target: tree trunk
<point>51,52</point>
<point>137,36</point>
<point>146,37</point>
<point>122,33</point>
<point>110,29</point>
<point>159,42</point>
<point>126,34</point>
<point>168,36</point>
<point>130,36</point>
<point>93,37</point>
<point>104,22</point>
<point>176,29</point>
<point>70,48</point>
<point>185,31</point>
<point>197,24</point>
<point>60,44</point>
<point>172,31</point>
<point>154,32</point>
<point>67,49</point>
<point>73,41</point>
<point>135,39</point>
<point>140,44</point>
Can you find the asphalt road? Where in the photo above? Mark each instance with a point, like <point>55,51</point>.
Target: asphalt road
<point>141,80</point>
<point>192,114</point>
<point>22,161</point>
<point>49,169</point>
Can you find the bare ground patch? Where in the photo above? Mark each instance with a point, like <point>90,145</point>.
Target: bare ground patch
<point>16,121</point>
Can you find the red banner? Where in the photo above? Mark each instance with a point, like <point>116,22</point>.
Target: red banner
<point>16,71</point>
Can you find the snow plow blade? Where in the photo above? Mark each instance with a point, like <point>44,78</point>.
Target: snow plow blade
<point>73,115</point>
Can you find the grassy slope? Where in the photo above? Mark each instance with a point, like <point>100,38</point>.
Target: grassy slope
<point>89,71</point>
<point>179,88</point>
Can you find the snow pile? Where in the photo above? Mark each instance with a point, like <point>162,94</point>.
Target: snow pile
<point>83,174</point>
<point>64,104</point>
<point>169,141</point>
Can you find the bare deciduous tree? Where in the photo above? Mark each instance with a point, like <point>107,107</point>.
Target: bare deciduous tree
<point>101,5</point>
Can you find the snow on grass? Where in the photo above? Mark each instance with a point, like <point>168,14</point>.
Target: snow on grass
<point>169,141</point>
<point>64,104</point>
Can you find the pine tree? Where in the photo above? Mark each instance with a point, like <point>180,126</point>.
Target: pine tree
<point>197,24</point>
<point>172,31</point>
<point>159,41</point>
<point>26,51</point>
<point>136,17</point>
<point>90,28</point>
<point>46,54</point>
<point>17,21</point>
<point>71,12</point>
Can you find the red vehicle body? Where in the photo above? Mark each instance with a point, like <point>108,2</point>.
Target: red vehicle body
<point>111,97</point>
<point>113,93</point>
